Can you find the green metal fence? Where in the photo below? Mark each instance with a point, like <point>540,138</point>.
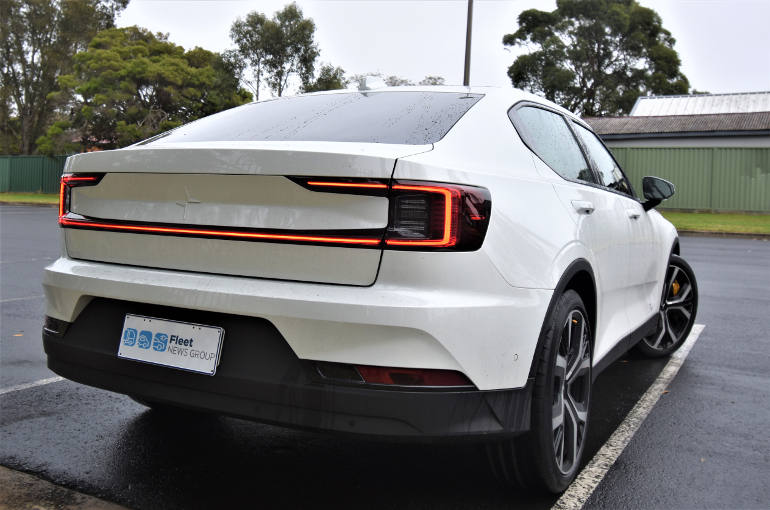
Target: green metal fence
<point>715,179</point>
<point>24,174</point>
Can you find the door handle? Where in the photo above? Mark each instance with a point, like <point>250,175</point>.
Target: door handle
<point>583,206</point>
<point>633,214</point>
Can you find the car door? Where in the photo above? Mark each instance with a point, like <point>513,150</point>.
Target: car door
<point>600,224</point>
<point>642,271</point>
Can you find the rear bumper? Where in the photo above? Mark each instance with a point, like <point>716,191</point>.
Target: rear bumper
<point>449,311</point>
<point>260,378</point>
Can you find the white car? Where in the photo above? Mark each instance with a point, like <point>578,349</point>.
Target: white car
<point>418,261</point>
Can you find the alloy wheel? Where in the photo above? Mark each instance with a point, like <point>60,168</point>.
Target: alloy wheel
<point>676,310</point>
<point>571,391</point>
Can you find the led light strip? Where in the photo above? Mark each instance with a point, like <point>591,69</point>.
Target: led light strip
<point>450,195</point>
<point>64,184</point>
<point>88,224</point>
<point>369,185</point>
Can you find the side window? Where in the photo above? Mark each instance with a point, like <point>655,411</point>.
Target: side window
<point>609,171</point>
<point>549,136</point>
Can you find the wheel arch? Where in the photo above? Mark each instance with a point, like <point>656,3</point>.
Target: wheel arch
<point>675,247</point>
<point>579,276</point>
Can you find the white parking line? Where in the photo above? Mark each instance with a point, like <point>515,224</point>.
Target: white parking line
<point>25,298</point>
<point>586,482</point>
<point>33,384</point>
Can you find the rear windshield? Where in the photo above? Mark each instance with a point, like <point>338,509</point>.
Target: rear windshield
<point>412,118</point>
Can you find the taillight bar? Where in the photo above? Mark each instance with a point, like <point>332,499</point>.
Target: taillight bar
<point>422,216</point>
<point>69,181</point>
<point>456,216</point>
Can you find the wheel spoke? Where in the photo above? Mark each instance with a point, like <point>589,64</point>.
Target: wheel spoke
<point>671,334</point>
<point>558,447</point>
<point>571,431</point>
<point>671,280</point>
<point>662,331</point>
<point>681,309</point>
<point>580,370</point>
<point>576,410</point>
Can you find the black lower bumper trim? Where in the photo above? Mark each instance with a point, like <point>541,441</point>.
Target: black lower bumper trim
<point>260,378</point>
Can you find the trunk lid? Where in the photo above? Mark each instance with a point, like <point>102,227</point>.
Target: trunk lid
<point>216,187</point>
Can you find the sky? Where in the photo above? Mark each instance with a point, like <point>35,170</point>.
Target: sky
<point>724,45</point>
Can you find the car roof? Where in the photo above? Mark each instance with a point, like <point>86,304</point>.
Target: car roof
<point>505,96</point>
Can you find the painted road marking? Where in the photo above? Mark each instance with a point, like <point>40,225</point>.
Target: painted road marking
<point>25,298</point>
<point>586,482</point>
<point>33,384</point>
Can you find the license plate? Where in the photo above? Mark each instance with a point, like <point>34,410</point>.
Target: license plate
<point>182,345</point>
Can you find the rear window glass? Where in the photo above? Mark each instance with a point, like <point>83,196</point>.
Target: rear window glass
<point>412,118</point>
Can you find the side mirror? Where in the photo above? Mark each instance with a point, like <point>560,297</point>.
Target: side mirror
<point>656,190</point>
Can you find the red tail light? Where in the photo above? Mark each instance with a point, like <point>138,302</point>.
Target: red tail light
<point>422,216</point>
<point>69,181</point>
<point>437,216</point>
<point>412,376</point>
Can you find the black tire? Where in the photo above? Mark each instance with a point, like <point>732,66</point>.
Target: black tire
<point>678,308</point>
<point>538,459</point>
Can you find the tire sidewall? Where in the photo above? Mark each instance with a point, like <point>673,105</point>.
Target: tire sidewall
<point>542,433</point>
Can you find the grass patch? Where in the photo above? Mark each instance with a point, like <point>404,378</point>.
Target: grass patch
<point>29,198</point>
<point>720,222</point>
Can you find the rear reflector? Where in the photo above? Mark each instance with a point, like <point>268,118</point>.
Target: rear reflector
<point>412,376</point>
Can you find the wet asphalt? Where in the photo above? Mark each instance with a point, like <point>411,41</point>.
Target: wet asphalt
<point>704,445</point>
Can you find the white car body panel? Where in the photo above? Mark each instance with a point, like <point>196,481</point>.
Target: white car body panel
<point>476,312</point>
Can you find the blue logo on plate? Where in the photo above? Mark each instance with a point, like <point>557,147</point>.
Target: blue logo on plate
<point>160,342</point>
<point>129,337</point>
<point>145,338</point>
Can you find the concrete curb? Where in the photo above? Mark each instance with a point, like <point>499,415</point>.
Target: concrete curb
<point>733,235</point>
<point>34,204</point>
<point>20,490</point>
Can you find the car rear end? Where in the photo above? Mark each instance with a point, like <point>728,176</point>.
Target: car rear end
<point>265,263</point>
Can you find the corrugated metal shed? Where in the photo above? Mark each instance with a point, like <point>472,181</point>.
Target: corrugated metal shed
<point>721,123</point>
<point>698,104</point>
<point>716,179</point>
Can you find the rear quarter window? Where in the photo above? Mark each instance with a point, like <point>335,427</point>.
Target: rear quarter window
<point>547,135</point>
<point>412,118</point>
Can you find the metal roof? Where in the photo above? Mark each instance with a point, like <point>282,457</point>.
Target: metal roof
<point>700,104</point>
<point>720,124</point>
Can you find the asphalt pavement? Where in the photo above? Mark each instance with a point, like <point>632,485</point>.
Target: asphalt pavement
<point>704,445</point>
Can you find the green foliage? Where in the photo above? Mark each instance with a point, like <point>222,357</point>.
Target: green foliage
<point>131,84</point>
<point>595,56</point>
<point>39,38</point>
<point>329,78</point>
<point>432,80</point>
<point>276,48</point>
<point>397,81</point>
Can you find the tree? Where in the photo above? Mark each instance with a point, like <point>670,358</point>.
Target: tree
<point>397,81</point>
<point>595,56</point>
<point>432,80</point>
<point>39,38</point>
<point>131,84</point>
<point>279,48</point>
<point>329,78</point>
<point>250,37</point>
